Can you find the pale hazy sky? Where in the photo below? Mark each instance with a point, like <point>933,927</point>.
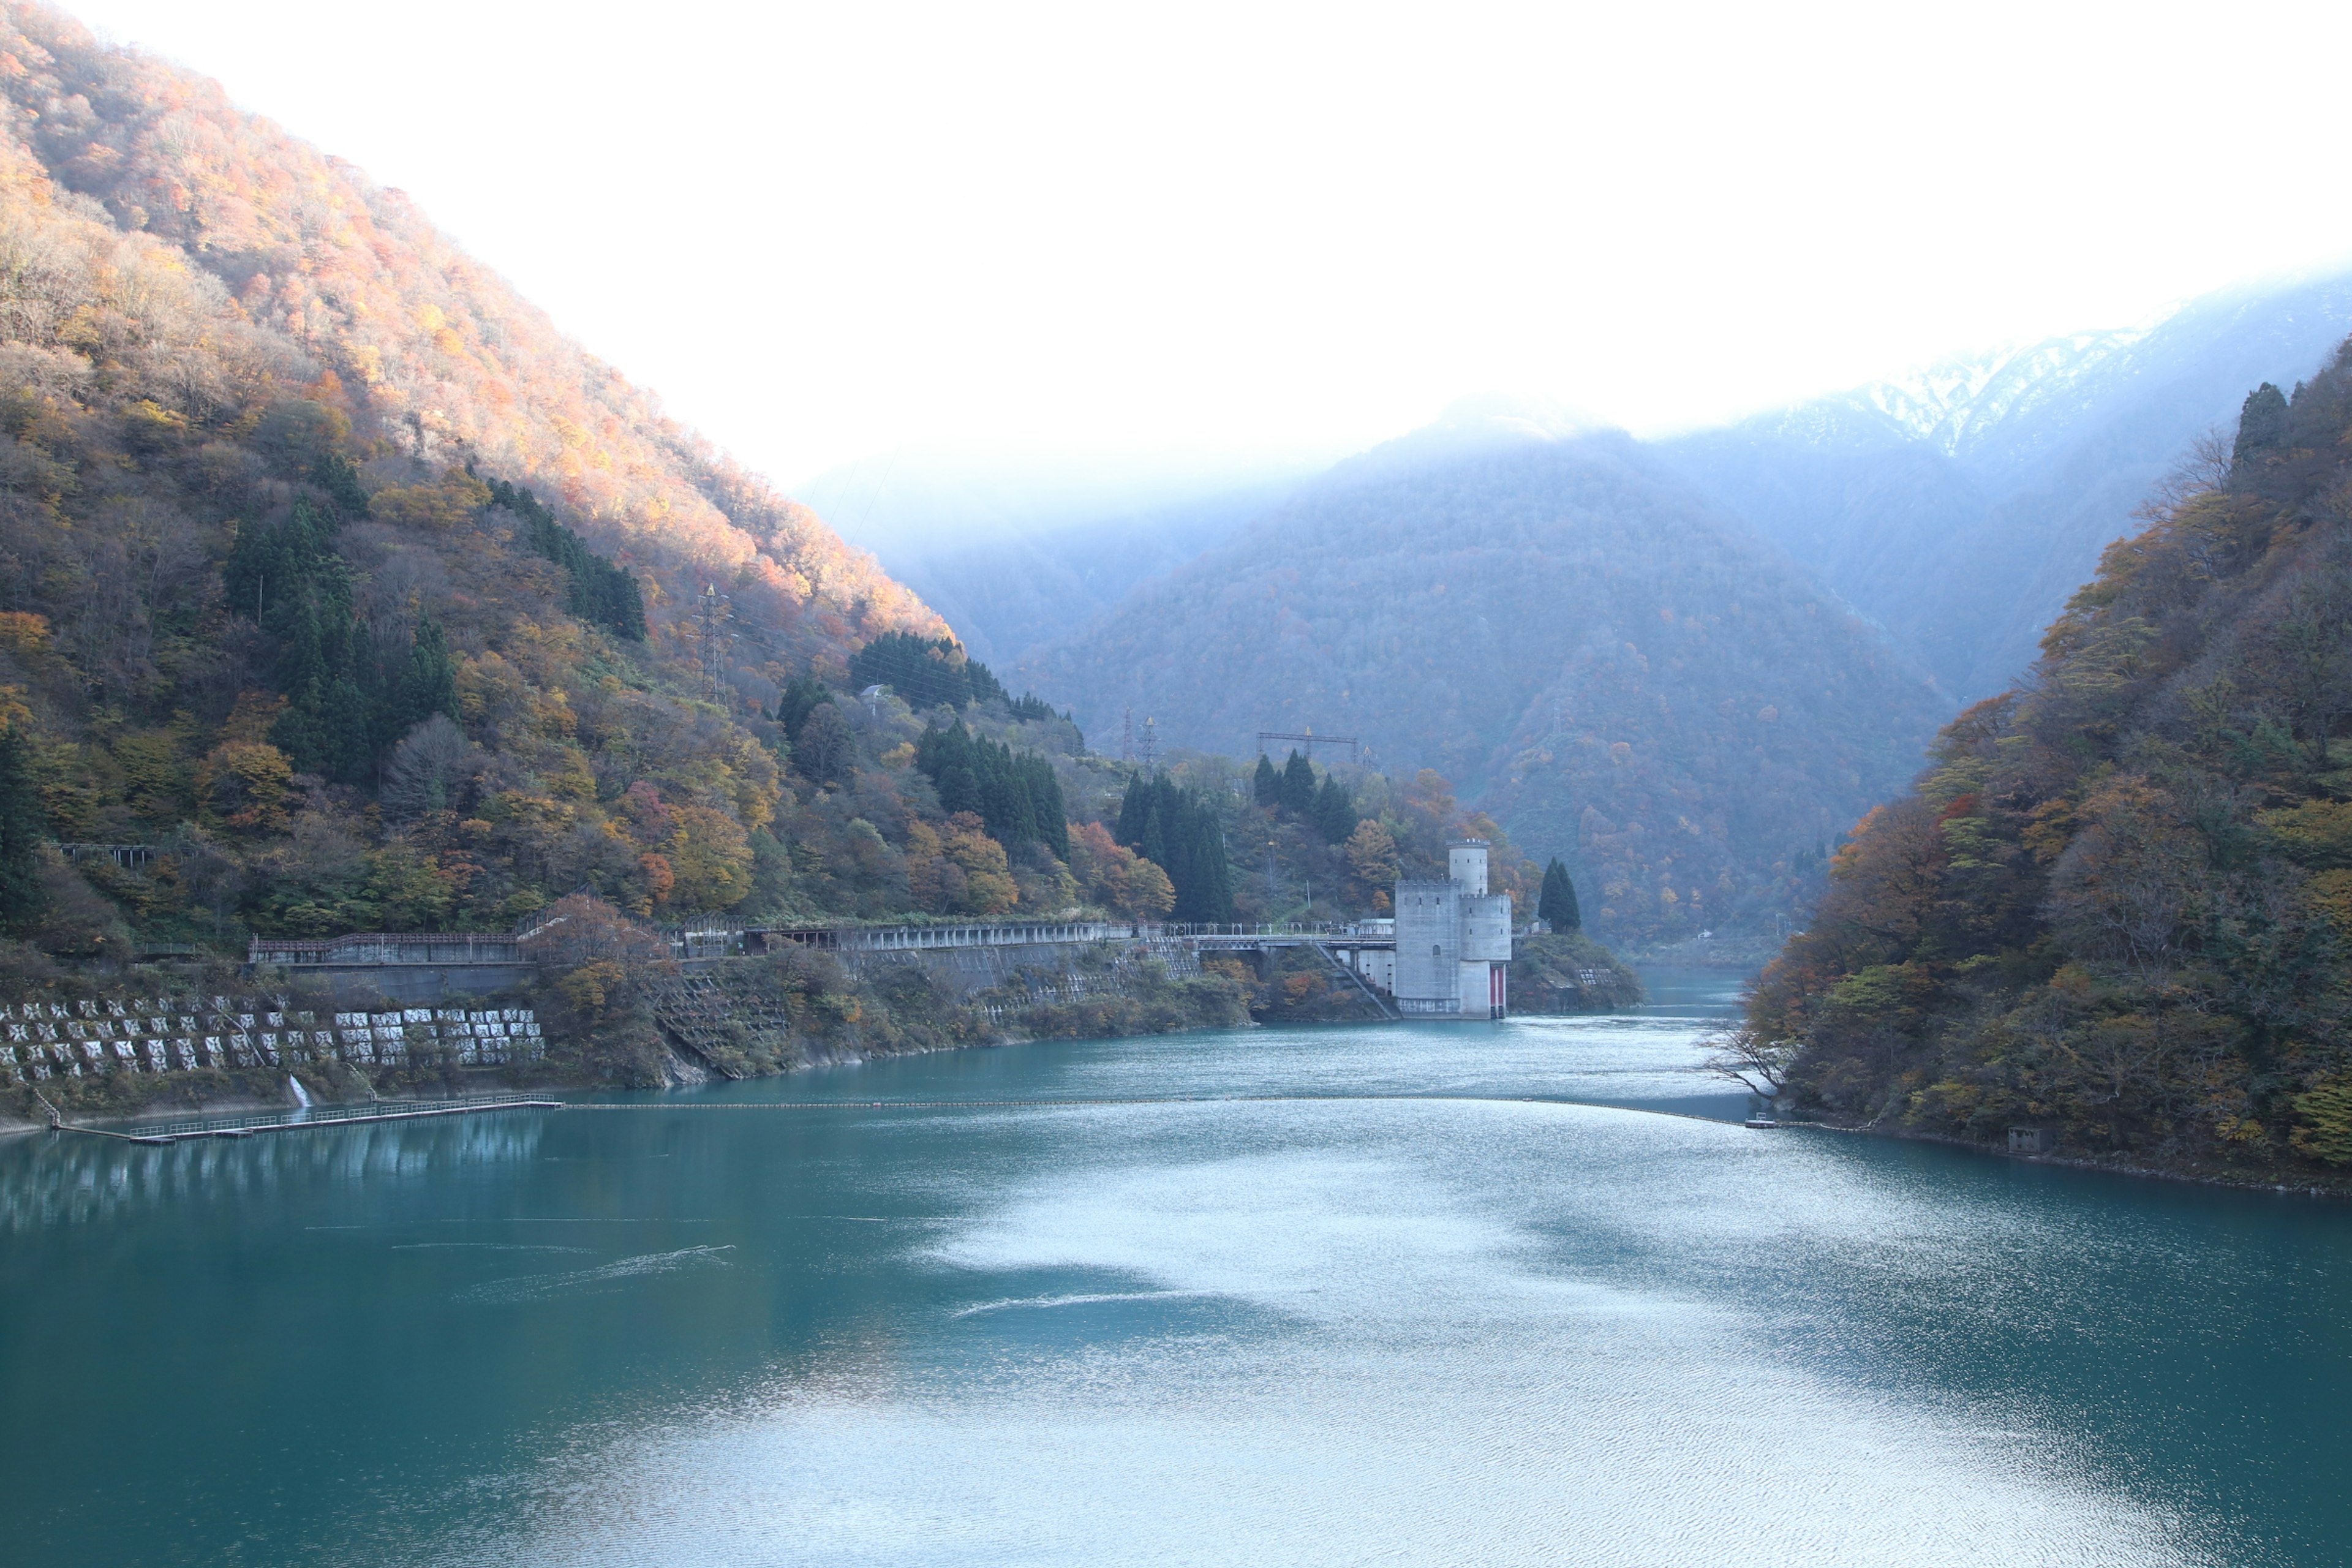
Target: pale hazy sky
<point>824,231</point>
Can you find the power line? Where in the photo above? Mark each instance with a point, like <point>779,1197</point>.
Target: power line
<point>1309,740</point>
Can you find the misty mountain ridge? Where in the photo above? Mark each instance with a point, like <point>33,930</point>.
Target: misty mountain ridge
<point>1008,582</point>
<point>1959,507</point>
<point>1001,593</point>
<point>922,498</point>
<point>1628,674</point>
<point>1954,507</point>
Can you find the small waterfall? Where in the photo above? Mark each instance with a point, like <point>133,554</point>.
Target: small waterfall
<point>301,1096</point>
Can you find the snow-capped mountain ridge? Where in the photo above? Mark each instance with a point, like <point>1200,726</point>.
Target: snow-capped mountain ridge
<point>1958,404</point>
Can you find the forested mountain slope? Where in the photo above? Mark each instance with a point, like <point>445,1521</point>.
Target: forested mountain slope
<point>2119,903</point>
<point>1623,674</point>
<point>275,243</point>
<point>1961,507</point>
<point>336,581</point>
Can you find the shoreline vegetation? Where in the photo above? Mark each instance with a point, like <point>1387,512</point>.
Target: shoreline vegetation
<point>2113,919</point>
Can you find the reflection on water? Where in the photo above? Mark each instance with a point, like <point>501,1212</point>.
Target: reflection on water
<point>1467,1324</point>
<point>77,1179</point>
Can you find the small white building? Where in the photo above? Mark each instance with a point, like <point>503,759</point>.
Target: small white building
<point>1453,940</point>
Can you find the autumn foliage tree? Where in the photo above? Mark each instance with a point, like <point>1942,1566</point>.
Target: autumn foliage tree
<point>2119,901</point>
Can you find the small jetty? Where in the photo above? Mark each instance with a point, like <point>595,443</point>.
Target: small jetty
<point>297,1119</point>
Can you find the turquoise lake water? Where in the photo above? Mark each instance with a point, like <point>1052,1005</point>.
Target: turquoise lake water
<point>1451,1325</point>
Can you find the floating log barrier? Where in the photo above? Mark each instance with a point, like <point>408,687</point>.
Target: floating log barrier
<point>303,1118</point>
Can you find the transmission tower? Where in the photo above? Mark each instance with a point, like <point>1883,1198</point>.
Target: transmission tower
<point>710,632</point>
<point>1126,738</point>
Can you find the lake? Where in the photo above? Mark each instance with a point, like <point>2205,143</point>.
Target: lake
<point>1334,1295</point>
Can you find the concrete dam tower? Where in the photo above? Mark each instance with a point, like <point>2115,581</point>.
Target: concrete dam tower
<point>1453,940</point>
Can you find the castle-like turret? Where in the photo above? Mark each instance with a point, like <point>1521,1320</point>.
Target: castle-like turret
<point>1453,940</point>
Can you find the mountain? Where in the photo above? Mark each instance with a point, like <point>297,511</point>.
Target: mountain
<point>2118,906</point>
<point>1005,595</point>
<point>284,245</point>
<point>1019,554</point>
<point>353,595</point>
<point>1958,506</point>
<point>1621,671</point>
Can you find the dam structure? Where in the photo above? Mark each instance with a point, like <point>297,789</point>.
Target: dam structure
<point>1454,941</point>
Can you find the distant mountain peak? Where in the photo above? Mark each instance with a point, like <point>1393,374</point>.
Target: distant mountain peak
<point>1955,403</point>
<point>1472,427</point>
<point>1519,415</point>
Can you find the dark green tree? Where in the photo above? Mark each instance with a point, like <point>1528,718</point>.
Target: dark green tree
<point>1153,843</point>
<point>601,594</point>
<point>1208,892</point>
<point>1180,831</point>
<point>926,672</point>
<point>271,563</point>
<point>1557,903</point>
<point>1334,815</point>
<point>334,473</point>
<point>1266,787</point>
<point>1297,785</point>
<point>1015,794</point>
<point>2262,423</point>
<point>1029,705</point>
<point>798,699</point>
<point>346,735</point>
<point>429,684</point>
<point>23,826</point>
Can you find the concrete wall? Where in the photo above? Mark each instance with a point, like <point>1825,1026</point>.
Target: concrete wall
<point>415,985</point>
<point>1376,964</point>
<point>1487,929</point>
<point>1429,937</point>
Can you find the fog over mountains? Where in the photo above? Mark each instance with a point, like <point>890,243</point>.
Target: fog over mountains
<point>1623,671</point>
<point>1581,629</point>
<point>1961,507</point>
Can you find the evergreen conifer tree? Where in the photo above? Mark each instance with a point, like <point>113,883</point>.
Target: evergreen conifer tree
<point>2262,423</point>
<point>1267,785</point>
<point>22,826</point>
<point>1557,903</point>
<point>1212,879</point>
<point>429,685</point>
<point>1017,796</point>
<point>1153,842</point>
<point>1179,832</point>
<point>347,745</point>
<point>797,701</point>
<point>1297,785</point>
<point>1053,815</point>
<point>1128,830</point>
<point>1335,811</point>
<point>334,473</point>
